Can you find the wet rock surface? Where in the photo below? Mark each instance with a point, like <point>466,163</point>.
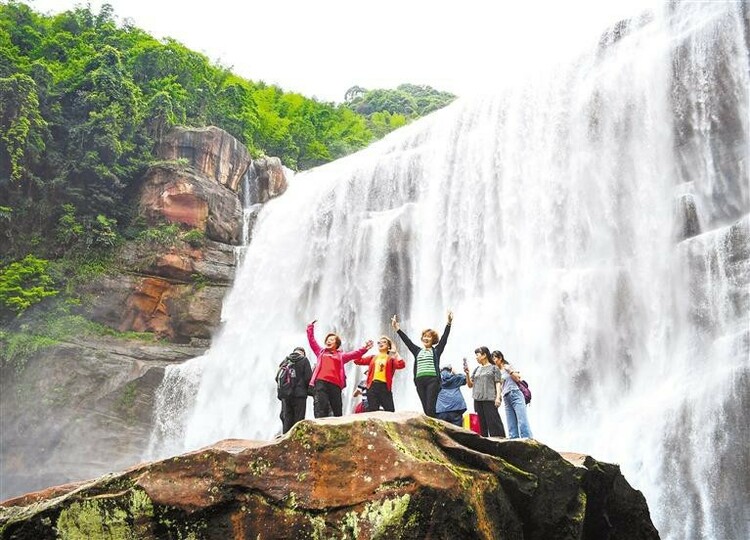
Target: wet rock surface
<point>375,475</point>
<point>78,408</point>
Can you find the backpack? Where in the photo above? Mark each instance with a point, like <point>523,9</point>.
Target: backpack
<point>523,386</point>
<point>286,379</point>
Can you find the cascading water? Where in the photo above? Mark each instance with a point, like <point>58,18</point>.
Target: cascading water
<point>593,223</point>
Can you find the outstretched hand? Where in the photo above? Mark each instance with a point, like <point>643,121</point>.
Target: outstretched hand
<point>450,316</point>
<point>394,324</point>
<point>369,343</point>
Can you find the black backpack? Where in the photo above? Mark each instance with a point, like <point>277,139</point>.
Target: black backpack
<point>286,378</point>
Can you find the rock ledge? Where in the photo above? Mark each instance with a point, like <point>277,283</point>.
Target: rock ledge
<point>376,475</point>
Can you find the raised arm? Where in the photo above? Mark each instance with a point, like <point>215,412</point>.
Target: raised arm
<point>364,360</point>
<point>311,338</point>
<point>398,362</point>
<point>357,353</point>
<point>469,378</point>
<point>443,339</point>
<point>409,345</point>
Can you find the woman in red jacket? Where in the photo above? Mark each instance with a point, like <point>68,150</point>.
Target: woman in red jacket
<point>380,375</point>
<point>329,378</point>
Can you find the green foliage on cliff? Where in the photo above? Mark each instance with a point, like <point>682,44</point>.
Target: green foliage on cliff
<point>84,100</point>
<point>23,284</point>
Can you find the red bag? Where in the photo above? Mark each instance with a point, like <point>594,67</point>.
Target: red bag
<point>471,421</point>
<point>360,408</point>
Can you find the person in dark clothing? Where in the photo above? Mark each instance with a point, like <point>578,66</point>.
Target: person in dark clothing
<point>426,362</point>
<point>293,407</point>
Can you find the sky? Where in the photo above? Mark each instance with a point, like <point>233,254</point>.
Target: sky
<point>322,48</point>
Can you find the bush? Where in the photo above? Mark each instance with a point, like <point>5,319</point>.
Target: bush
<point>196,238</point>
<point>162,235</point>
<point>25,283</point>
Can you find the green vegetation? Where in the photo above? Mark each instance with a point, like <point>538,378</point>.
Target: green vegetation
<point>84,101</point>
<point>387,110</point>
<point>25,336</point>
<point>24,283</point>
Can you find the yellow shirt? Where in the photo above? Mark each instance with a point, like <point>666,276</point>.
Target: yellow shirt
<point>381,360</point>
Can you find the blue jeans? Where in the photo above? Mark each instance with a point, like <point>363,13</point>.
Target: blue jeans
<point>515,412</point>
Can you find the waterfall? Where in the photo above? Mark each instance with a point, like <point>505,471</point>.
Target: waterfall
<point>592,222</point>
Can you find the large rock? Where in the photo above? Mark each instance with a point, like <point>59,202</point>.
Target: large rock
<point>178,195</point>
<point>270,178</point>
<point>213,262</point>
<point>376,475</point>
<point>213,152</point>
<point>80,408</point>
<point>180,312</point>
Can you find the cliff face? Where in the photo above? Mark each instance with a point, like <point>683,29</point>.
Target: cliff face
<point>84,407</point>
<point>376,475</point>
<point>176,290</point>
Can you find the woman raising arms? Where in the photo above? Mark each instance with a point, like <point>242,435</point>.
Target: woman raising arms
<point>380,375</point>
<point>329,378</point>
<point>426,362</point>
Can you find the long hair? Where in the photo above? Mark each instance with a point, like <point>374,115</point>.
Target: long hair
<point>484,350</point>
<point>499,355</point>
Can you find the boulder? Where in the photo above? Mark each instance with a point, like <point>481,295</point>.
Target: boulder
<point>211,151</point>
<point>375,475</point>
<point>176,195</point>
<point>270,179</point>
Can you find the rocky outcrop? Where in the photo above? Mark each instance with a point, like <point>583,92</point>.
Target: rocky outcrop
<point>211,151</point>
<point>80,407</point>
<point>270,179</point>
<point>175,292</point>
<point>376,475</point>
<point>181,196</point>
<point>86,405</point>
<point>175,289</point>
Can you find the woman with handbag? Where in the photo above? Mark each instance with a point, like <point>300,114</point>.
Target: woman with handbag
<point>515,404</point>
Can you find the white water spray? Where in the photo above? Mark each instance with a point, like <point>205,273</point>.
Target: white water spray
<point>549,219</point>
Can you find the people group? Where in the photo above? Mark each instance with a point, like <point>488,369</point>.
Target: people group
<point>494,381</point>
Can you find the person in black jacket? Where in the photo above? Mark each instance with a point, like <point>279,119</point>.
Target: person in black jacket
<point>426,362</point>
<point>294,406</point>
